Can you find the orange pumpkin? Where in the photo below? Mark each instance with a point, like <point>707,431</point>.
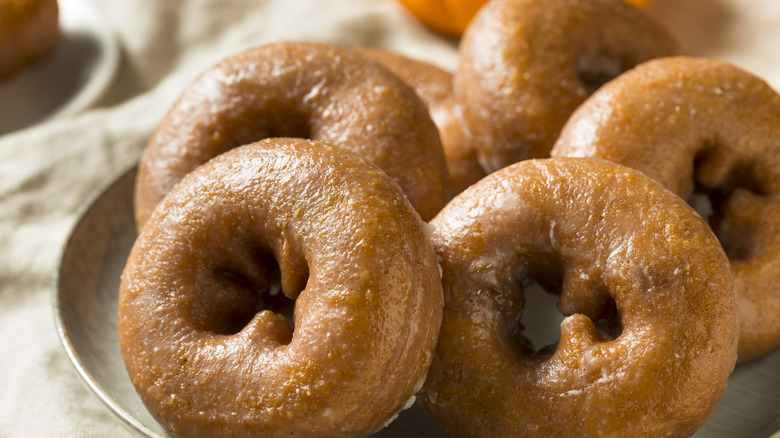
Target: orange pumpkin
<point>450,17</point>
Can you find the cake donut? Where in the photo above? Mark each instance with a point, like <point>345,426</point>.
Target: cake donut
<point>305,90</point>
<point>29,30</point>
<point>434,86</point>
<point>525,65</point>
<point>624,254</point>
<point>206,347</point>
<point>702,128</point>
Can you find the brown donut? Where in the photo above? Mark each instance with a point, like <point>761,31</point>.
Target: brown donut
<point>617,247</point>
<point>702,126</point>
<point>434,86</point>
<point>525,65</point>
<point>29,30</point>
<point>205,349</point>
<point>298,90</point>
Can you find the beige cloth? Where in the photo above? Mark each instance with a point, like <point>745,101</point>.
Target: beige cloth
<point>48,171</point>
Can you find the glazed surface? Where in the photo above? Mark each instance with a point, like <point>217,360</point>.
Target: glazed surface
<point>649,336</point>
<point>304,90</point>
<point>525,65</point>
<point>434,86</point>
<point>206,348</point>
<point>703,128</point>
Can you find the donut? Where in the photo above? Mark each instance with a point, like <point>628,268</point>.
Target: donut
<point>210,348</point>
<point>304,90</point>
<point>434,86</point>
<point>649,336</point>
<point>703,128</point>
<point>29,30</point>
<point>525,65</point>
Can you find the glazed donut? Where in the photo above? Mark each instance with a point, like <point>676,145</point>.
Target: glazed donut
<point>298,90</point>
<point>29,30</point>
<point>434,86</point>
<point>702,127</point>
<point>617,247</point>
<point>207,353</point>
<point>525,65</point>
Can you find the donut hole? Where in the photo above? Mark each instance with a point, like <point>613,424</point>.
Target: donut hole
<point>595,66</point>
<point>713,203</point>
<point>608,321</point>
<point>594,70</point>
<point>247,295</point>
<point>259,124</point>
<point>540,321</point>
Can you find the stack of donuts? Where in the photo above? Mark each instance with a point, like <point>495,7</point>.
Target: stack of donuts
<point>328,235</point>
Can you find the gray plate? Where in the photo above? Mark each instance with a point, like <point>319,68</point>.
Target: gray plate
<point>85,303</point>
